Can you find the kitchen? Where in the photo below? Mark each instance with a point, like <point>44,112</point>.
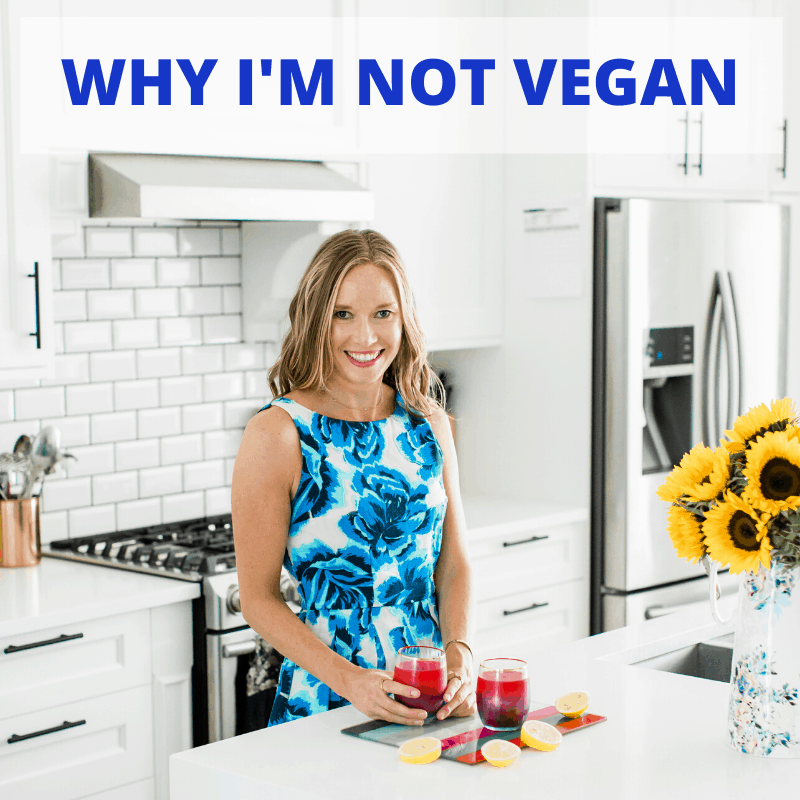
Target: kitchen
<point>154,374</point>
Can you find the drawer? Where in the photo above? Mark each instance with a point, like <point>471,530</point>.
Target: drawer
<point>105,655</point>
<point>113,747</point>
<point>528,557</point>
<point>543,617</point>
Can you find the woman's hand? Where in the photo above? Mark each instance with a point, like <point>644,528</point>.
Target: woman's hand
<point>459,696</point>
<point>368,690</point>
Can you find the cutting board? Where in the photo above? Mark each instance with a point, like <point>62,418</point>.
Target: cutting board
<point>463,737</point>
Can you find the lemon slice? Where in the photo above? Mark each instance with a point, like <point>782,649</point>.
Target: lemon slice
<point>540,735</point>
<point>500,753</point>
<point>572,704</point>
<point>421,751</point>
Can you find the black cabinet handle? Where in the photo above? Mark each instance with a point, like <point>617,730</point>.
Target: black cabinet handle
<point>699,164</point>
<point>525,541</point>
<point>64,726</point>
<point>782,169</point>
<point>684,165</point>
<point>15,648</point>
<point>527,608</point>
<point>38,332</point>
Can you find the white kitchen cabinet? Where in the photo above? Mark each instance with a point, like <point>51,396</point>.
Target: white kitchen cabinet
<point>444,213</point>
<point>26,305</point>
<point>530,564</point>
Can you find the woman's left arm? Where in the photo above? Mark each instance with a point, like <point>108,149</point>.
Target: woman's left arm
<point>453,579</point>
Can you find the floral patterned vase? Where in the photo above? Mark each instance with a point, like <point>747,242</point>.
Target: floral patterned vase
<point>764,710</point>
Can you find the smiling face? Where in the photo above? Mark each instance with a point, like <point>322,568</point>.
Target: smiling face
<point>366,329</point>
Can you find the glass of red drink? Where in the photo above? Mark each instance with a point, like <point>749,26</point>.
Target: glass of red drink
<point>424,668</point>
<point>502,693</point>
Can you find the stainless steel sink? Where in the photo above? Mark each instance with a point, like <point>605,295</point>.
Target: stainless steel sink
<point>710,660</point>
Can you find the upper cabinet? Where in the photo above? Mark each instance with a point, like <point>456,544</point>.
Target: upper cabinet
<point>26,283</point>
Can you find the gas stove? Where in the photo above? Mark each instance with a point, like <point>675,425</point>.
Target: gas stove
<point>188,550</point>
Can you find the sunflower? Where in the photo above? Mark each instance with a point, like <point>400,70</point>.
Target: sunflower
<point>702,475</point>
<point>735,535</point>
<point>772,470</point>
<point>684,530</point>
<point>758,421</point>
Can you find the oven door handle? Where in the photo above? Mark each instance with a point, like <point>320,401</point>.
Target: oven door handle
<point>241,649</point>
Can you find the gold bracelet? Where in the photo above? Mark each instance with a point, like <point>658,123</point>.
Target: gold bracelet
<point>460,641</point>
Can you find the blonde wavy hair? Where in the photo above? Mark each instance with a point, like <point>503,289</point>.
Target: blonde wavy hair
<point>306,358</point>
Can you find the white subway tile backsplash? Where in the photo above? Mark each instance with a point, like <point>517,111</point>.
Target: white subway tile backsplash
<point>69,306</point>
<point>138,513</point>
<point>181,391</point>
<point>217,271</point>
<point>131,273</point>
<point>84,274</point>
<point>176,507</point>
<point>223,386</point>
<point>244,356</point>
<point>201,300</point>
<point>72,368</point>
<point>7,406</point>
<point>115,487</point>
<point>161,481</point>
<point>56,273</point>
<point>89,521</point>
<point>55,525</point>
<point>199,360</point>
<point>238,412</point>
<point>218,501</point>
<point>202,417</point>
<point>155,242</point>
<point>38,403</point>
<point>231,241</point>
<point>229,462</point>
<point>74,431</point>
<point>180,330</point>
<point>58,337</point>
<point>66,494</point>
<point>199,242</point>
<point>222,329</point>
<point>157,302</point>
<point>110,304</point>
<point>135,394</point>
<point>130,333</point>
<point>138,454</point>
<point>160,422</point>
<point>181,449</point>
<point>85,337</point>
<point>159,362</point>
<point>203,475</point>
<point>221,444</point>
<point>68,245</point>
<point>178,271</point>
<point>96,459</point>
<point>232,299</point>
<point>119,365</point>
<point>11,431</point>
<point>108,242</point>
<point>117,427</point>
<point>90,398</point>
<point>256,385</point>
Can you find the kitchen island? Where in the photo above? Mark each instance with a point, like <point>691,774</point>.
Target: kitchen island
<point>665,737</point>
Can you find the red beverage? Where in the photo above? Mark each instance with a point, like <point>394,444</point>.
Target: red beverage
<point>427,676</point>
<point>502,697</point>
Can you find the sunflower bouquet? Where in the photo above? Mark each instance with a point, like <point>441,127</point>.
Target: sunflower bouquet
<point>739,504</point>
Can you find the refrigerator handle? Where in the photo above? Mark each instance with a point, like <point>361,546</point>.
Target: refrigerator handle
<point>734,338</point>
<point>710,410</point>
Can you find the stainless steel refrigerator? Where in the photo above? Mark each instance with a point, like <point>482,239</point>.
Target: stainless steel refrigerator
<point>690,319</point>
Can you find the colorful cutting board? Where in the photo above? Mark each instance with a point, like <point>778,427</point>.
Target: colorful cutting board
<point>461,740</point>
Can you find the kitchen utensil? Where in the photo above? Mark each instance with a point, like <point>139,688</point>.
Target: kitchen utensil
<point>23,445</point>
<point>463,737</point>
<point>44,457</point>
<point>20,533</point>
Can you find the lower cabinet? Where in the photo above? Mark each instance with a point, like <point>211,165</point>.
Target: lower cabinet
<point>94,709</point>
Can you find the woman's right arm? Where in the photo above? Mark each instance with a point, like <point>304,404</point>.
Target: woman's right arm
<point>265,478</point>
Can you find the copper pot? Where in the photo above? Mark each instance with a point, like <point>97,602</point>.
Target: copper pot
<point>20,533</point>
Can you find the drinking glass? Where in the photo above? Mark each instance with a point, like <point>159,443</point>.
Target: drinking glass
<point>502,693</point>
<point>424,668</point>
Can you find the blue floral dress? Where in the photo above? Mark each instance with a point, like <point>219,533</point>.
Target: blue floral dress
<point>364,538</point>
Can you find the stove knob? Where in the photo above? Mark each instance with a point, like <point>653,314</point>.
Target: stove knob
<point>234,603</point>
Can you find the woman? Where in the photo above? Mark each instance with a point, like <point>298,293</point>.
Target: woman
<point>349,478</point>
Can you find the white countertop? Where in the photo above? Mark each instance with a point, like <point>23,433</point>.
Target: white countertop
<point>665,737</point>
<point>58,592</point>
<point>486,511</point>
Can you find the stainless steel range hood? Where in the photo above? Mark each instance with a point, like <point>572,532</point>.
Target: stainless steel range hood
<point>204,187</point>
